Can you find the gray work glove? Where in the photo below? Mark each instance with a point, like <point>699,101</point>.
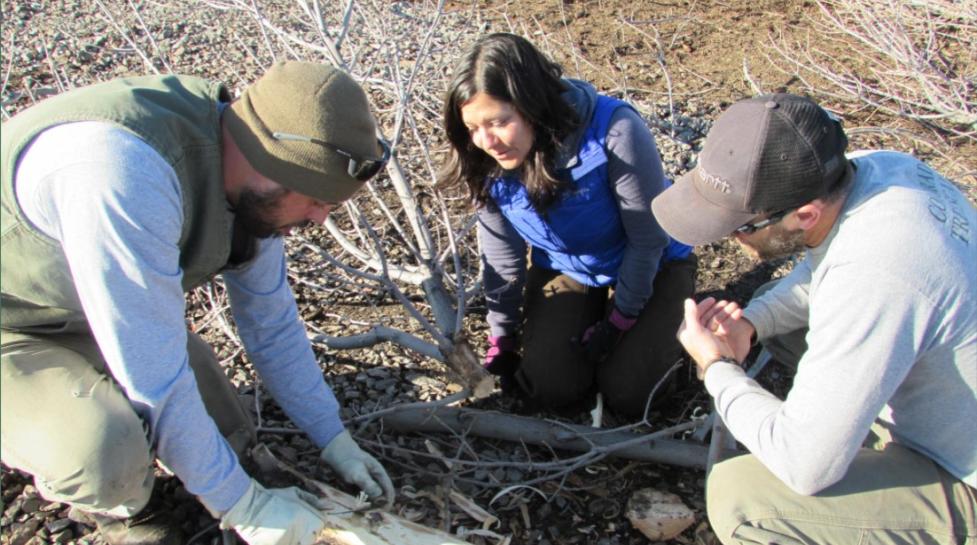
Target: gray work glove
<point>357,467</point>
<point>276,516</point>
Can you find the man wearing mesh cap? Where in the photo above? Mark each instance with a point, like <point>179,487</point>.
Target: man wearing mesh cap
<point>874,443</point>
<point>117,199</point>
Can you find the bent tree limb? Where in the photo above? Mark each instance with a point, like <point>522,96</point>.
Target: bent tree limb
<point>654,447</point>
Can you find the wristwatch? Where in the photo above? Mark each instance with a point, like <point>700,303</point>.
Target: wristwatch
<point>701,371</point>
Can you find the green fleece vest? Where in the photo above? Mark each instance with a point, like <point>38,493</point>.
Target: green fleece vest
<point>178,116</point>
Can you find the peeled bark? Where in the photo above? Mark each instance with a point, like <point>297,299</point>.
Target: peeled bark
<point>350,522</point>
<point>344,526</point>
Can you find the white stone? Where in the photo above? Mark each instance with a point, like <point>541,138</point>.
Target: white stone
<point>659,515</point>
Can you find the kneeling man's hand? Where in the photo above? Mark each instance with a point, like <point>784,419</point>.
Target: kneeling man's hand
<point>357,467</point>
<point>713,330</point>
<point>274,516</point>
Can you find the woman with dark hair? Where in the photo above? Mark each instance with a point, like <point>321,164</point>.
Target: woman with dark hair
<point>566,175</point>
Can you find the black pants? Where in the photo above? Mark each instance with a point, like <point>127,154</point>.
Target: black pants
<point>556,372</point>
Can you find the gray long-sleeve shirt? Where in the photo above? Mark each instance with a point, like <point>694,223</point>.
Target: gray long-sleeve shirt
<point>890,300</point>
<point>115,206</point>
<point>635,173</point>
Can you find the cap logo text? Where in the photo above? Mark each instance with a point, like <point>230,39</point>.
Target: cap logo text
<point>716,182</point>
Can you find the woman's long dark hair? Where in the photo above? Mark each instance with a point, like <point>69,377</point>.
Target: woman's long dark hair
<point>508,68</point>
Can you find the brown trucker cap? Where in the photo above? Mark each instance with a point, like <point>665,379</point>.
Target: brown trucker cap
<point>763,155</point>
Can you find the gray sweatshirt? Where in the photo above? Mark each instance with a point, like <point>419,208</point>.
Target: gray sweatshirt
<point>890,298</point>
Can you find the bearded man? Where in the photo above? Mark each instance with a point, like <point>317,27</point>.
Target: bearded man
<point>117,199</point>
<point>874,442</point>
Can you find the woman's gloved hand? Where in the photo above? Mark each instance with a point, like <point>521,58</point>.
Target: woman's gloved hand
<point>275,516</point>
<point>501,358</point>
<point>357,467</point>
<point>600,339</point>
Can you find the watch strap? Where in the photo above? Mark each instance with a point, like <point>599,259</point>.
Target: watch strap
<point>701,371</point>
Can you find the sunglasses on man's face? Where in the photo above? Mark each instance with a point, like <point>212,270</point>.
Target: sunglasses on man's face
<point>359,168</point>
<point>751,228</point>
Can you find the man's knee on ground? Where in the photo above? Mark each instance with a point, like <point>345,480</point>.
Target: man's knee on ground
<point>734,493</point>
<point>112,467</point>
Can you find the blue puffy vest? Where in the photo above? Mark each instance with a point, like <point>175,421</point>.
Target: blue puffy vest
<point>581,235</point>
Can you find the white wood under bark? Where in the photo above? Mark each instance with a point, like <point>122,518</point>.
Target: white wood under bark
<point>345,526</point>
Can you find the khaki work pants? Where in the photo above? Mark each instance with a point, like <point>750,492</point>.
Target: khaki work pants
<point>555,370</point>
<point>65,421</point>
<point>890,495</point>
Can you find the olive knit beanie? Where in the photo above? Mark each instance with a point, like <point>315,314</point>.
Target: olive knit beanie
<point>305,102</point>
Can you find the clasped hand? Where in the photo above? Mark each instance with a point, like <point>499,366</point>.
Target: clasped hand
<point>713,330</point>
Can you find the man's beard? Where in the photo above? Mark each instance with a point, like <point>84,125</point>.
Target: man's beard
<point>255,212</point>
<point>779,242</point>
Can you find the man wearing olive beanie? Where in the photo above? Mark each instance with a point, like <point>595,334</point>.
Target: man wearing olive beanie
<point>119,198</point>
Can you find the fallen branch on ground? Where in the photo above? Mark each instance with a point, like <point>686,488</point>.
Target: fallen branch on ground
<point>596,444</point>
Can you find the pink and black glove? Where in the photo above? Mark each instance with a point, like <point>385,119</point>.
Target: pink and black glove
<point>501,358</point>
<point>600,339</point>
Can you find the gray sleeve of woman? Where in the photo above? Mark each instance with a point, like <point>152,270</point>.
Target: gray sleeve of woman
<point>634,172</point>
<point>504,275</point>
